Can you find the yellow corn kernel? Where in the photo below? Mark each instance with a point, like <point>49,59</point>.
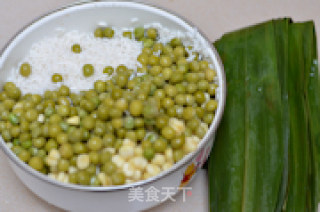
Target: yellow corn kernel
<point>118,160</point>
<point>177,125</point>
<point>191,144</point>
<point>158,159</point>
<point>83,161</point>
<point>126,152</point>
<point>128,142</point>
<point>41,118</point>
<point>166,166</point>
<point>74,120</point>
<point>169,154</point>
<point>72,170</point>
<point>137,175</point>
<point>139,163</point>
<point>152,169</point>
<point>138,151</point>
<point>128,170</point>
<point>111,150</point>
<point>104,179</point>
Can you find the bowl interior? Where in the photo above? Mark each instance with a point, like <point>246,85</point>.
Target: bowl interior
<point>86,17</point>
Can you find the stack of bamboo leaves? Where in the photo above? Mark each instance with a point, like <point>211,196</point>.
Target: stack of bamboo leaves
<point>265,154</point>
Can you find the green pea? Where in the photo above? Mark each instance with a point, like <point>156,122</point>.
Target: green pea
<point>168,133</point>
<point>211,105</point>
<point>94,157</point>
<point>63,110</point>
<point>108,32</point>
<point>98,33</point>
<point>208,118</point>
<point>75,135</point>
<point>140,134</point>
<point>136,107</point>
<point>129,122</point>
<point>66,150</point>
<point>25,69</point>
<point>83,178</point>
<point>177,155</point>
<point>203,85</point>
<point>105,156</point>
<point>51,144</point>
<point>56,78</point>
<point>178,142</point>
<point>38,142</point>
<point>63,165</point>
<point>147,42</point>
<point>200,97</point>
<point>94,181</point>
<point>108,70</point>
<point>109,168</point>
<point>175,42</point>
<point>14,119</point>
<point>139,33</point>
<point>100,86</point>
<point>24,155</point>
<point>88,70</point>
<point>127,34</point>
<point>108,140</point>
<point>76,48</point>
<point>143,59</point>
<point>212,89</point>
<point>152,33</point>
<point>148,153</point>
<point>95,143</point>
<point>26,144</point>
<point>79,148</point>
<point>189,113</point>
<point>159,145</point>
<point>162,121</point>
<point>16,150</point>
<point>88,122</point>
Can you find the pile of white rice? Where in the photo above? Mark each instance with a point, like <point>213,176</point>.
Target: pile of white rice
<point>53,55</point>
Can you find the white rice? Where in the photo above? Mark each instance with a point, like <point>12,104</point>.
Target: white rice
<point>53,55</point>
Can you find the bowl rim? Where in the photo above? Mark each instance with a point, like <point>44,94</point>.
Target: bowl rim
<point>204,141</point>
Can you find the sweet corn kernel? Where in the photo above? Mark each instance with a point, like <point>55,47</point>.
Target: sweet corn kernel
<point>126,152</point>
<point>41,118</point>
<point>83,161</point>
<point>111,150</point>
<point>118,160</point>
<point>169,154</point>
<point>9,145</point>
<point>152,169</point>
<point>139,163</point>
<point>137,175</point>
<point>191,144</point>
<point>177,125</point>
<point>72,170</point>
<point>128,181</point>
<point>52,176</point>
<point>74,120</point>
<point>128,170</point>
<point>128,142</point>
<point>167,166</point>
<point>138,151</point>
<point>54,154</point>
<point>158,159</point>
<point>62,177</point>
<point>104,179</point>
<point>146,175</point>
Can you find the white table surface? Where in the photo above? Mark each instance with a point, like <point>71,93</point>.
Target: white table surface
<point>213,17</point>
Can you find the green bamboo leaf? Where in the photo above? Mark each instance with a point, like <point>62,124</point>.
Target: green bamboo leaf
<point>246,165</point>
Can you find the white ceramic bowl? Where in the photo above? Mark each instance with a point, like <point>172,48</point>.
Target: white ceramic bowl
<point>84,17</point>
